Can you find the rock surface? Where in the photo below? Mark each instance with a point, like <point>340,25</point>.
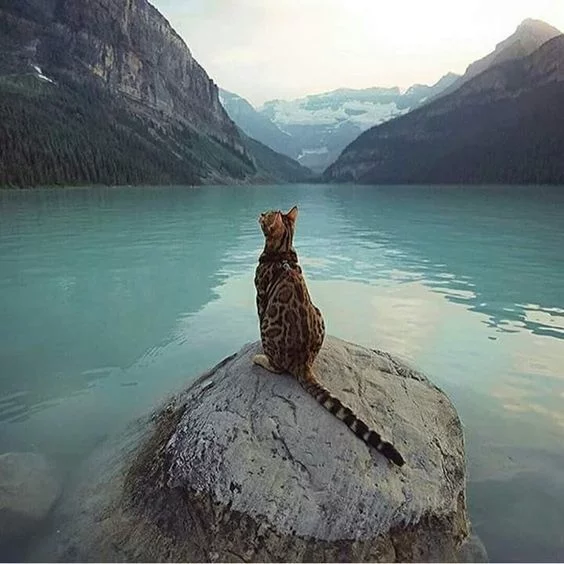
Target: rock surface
<point>245,466</point>
<point>28,488</point>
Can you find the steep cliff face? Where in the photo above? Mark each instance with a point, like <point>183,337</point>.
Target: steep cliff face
<point>504,125</point>
<point>135,51</point>
<point>123,61</point>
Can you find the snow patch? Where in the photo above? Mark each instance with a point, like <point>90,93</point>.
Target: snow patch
<point>372,114</point>
<point>41,76</point>
<point>308,152</point>
<point>361,113</point>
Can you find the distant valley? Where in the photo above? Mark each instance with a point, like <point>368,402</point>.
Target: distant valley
<point>315,129</point>
<point>495,123</point>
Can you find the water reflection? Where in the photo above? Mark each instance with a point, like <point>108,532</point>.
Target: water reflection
<point>503,242</point>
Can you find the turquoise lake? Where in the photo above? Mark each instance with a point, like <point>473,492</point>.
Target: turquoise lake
<point>111,299</point>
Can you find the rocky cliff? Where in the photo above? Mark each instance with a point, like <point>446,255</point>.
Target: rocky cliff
<point>505,125</point>
<point>135,51</point>
<point>122,60</point>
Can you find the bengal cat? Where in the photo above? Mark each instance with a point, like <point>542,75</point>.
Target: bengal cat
<point>292,328</point>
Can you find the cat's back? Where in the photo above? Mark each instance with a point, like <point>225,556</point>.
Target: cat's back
<point>281,283</point>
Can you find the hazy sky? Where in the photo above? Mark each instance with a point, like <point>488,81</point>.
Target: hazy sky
<point>265,49</point>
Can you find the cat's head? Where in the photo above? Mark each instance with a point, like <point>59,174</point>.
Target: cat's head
<point>278,227</point>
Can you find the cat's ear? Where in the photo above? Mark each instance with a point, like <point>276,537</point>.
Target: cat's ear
<point>270,222</point>
<point>292,215</point>
<point>276,221</point>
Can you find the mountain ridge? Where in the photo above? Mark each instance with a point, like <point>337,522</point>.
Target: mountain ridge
<point>504,125</point>
<point>314,129</point>
<point>529,35</point>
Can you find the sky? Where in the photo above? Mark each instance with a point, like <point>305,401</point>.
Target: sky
<point>267,49</point>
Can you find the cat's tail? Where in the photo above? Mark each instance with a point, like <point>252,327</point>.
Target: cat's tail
<point>310,383</point>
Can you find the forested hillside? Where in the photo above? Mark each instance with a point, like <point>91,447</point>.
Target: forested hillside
<point>106,92</point>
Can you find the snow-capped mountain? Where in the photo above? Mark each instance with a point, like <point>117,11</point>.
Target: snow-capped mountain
<point>315,129</point>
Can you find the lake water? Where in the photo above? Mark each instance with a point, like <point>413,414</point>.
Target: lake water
<point>112,299</point>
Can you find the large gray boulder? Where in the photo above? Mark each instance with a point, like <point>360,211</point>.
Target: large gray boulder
<point>246,466</point>
<point>29,485</point>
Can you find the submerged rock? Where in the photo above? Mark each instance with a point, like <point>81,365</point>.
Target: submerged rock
<point>29,486</point>
<point>246,466</point>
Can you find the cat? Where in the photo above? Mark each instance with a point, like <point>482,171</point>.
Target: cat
<point>292,328</point>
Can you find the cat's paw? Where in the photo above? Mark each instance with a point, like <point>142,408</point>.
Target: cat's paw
<point>262,360</point>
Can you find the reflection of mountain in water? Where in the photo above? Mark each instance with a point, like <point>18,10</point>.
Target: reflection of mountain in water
<point>108,272</point>
<point>484,247</point>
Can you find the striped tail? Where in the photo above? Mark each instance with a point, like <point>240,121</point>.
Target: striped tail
<point>340,411</point>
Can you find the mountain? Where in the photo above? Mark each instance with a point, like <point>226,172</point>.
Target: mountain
<point>315,129</point>
<point>527,38</point>
<point>254,124</point>
<point>271,147</point>
<point>505,125</point>
<point>105,91</point>
<point>273,166</point>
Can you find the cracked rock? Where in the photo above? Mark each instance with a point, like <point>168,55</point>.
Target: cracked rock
<point>254,469</point>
